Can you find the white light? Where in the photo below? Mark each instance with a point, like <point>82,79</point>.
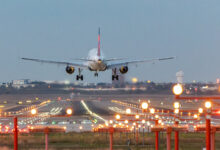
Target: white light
<point>118,117</point>
<point>176,105</point>
<point>33,111</point>
<point>69,111</point>
<point>137,116</point>
<point>208,104</point>
<point>152,110</point>
<point>177,89</point>
<point>159,121</point>
<point>128,111</point>
<point>200,110</point>
<point>144,105</point>
<point>176,111</point>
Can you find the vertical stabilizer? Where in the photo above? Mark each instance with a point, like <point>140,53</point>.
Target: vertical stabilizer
<point>99,53</point>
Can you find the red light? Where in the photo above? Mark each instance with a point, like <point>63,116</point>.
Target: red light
<point>218,112</point>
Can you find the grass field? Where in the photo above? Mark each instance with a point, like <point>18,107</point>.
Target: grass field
<point>100,141</point>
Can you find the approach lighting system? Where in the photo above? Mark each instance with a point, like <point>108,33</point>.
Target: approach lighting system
<point>177,89</point>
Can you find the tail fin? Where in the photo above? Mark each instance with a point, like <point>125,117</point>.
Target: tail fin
<point>99,53</point>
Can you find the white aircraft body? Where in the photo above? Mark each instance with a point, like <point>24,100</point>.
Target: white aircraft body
<point>98,64</point>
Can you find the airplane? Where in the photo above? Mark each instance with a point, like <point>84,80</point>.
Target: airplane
<point>98,64</point>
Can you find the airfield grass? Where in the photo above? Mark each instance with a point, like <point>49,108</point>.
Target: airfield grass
<point>100,141</point>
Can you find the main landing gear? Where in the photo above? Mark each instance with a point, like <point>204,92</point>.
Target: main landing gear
<point>114,76</point>
<point>79,77</point>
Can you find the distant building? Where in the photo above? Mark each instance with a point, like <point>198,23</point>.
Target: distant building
<point>21,83</point>
<point>179,77</point>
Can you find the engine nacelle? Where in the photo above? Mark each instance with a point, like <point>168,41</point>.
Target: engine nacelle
<point>70,69</point>
<point>123,69</point>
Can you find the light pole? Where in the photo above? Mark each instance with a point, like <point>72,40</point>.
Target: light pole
<point>15,133</point>
<point>176,106</point>
<point>208,106</point>
<point>156,133</point>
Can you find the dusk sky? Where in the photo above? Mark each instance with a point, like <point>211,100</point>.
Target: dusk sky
<point>136,29</point>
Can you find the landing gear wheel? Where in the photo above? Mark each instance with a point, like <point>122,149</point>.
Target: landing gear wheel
<point>79,77</point>
<point>114,77</point>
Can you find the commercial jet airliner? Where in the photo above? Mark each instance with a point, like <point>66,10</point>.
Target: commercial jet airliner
<point>98,64</point>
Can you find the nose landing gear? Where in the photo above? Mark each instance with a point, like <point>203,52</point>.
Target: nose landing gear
<point>96,74</point>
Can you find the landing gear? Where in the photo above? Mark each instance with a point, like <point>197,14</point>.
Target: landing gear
<point>96,74</point>
<point>114,76</point>
<point>79,77</point>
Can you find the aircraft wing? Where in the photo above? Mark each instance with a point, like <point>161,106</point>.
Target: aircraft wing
<point>81,65</point>
<point>115,65</point>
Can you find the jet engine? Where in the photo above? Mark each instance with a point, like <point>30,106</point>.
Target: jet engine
<point>123,69</point>
<point>70,69</point>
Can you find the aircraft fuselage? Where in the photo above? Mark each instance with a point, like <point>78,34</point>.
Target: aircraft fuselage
<point>97,65</point>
